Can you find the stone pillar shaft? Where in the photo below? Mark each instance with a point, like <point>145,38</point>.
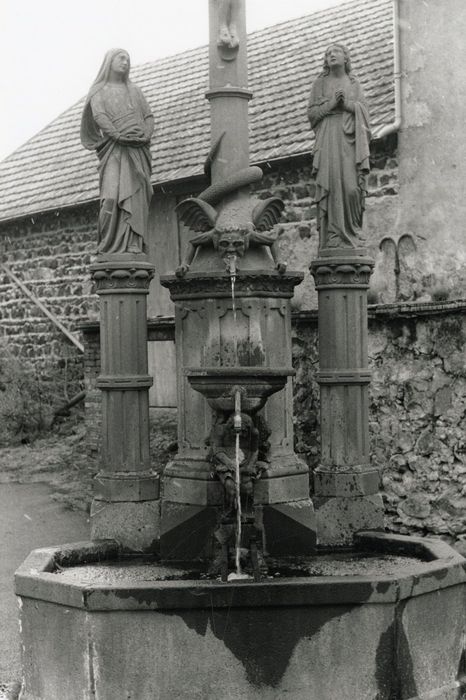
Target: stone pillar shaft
<point>346,487</point>
<point>228,94</point>
<point>125,490</point>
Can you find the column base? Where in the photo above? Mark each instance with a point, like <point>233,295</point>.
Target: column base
<point>340,518</point>
<point>328,482</point>
<point>135,525</point>
<point>286,480</point>
<point>289,528</point>
<point>187,531</point>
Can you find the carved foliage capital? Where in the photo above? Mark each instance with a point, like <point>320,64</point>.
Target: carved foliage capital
<point>334,272</point>
<point>122,277</point>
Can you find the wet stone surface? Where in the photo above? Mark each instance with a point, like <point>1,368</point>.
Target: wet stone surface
<point>333,564</point>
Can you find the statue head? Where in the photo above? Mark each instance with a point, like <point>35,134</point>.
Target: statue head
<point>120,63</point>
<point>115,61</point>
<point>340,51</point>
<point>116,65</point>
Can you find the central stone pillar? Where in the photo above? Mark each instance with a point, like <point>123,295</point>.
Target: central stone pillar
<point>232,318</point>
<point>210,328</point>
<point>346,488</point>
<point>126,491</point>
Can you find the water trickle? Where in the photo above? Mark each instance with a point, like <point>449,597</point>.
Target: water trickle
<point>237,424</point>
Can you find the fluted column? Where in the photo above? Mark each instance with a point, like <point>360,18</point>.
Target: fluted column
<point>345,485</point>
<point>126,490</point>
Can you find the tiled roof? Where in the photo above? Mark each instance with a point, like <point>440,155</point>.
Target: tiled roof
<point>52,170</point>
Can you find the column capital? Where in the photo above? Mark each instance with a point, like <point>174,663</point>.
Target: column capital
<point>122,275</point>
<point>350,271</point>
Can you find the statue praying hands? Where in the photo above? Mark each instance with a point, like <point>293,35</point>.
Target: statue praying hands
<point>339,117</point>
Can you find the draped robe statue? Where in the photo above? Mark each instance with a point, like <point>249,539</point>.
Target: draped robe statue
<point>340,120</point>
<point>117,123</point>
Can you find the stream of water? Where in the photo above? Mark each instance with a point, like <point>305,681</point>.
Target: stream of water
<point>237,423</point>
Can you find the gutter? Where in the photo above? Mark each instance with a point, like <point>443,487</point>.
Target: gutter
<point>396,125</point>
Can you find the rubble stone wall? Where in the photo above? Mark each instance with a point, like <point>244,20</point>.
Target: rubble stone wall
<point>417,354</point>
<point>50,254</point>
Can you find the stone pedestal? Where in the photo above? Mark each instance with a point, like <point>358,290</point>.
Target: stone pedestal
<point>251,332</point>
<point>126,490</point>
<point>345,486</point>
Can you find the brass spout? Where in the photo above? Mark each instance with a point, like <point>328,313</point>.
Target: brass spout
<point>230,264</point>
<point>237,422</point>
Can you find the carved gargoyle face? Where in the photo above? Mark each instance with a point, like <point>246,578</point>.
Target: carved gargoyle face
<point>231,243</point>
<point>232,230</point>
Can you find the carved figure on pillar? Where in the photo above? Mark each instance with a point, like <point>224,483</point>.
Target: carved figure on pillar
<point>251,457</point>
<point>241,224</point>
<point>117,123</point>
<point>227,33</point>
<point>340,120</point>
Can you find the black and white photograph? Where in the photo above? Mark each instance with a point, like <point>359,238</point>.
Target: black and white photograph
<point>233,350</point>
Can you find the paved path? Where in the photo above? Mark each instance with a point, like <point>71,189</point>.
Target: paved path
<point>28,519</point>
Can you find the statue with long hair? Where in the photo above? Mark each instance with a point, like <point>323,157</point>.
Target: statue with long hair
<point>117,123</point>
<point>340,120</point>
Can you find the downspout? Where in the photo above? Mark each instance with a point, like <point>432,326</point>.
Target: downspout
<point>395,126</point>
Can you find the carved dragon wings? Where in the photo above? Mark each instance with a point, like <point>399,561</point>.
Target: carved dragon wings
<point>267,213</point>
<point>197,215</point>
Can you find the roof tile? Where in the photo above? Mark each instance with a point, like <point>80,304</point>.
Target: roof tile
<point>52,170</point>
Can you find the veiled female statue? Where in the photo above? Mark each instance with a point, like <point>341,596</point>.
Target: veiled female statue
<point>117,123</point>
<point>340,120</point>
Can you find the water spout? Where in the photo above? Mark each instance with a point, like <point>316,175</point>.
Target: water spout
<point>230,263</point>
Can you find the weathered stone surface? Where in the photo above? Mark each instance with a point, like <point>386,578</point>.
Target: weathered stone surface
<point>417,415</point>
<point>428,196</point>
<point>346,484</point>
<point>205,640</point>
<point>290,528</point>
<point>339,518</point>
<point>135,525</point>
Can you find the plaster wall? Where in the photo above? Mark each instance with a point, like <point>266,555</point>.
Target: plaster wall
<point>432,148</point>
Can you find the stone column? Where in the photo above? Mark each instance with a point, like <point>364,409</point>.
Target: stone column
<point>126,490</point>
<point>345,486</point>
<point>228,94</point>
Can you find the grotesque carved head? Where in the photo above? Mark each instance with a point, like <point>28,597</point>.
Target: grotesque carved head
<point>231,240</point>
<point>231,231</point>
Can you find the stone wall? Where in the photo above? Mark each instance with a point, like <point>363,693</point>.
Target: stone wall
<point>417,354</point>
<point>299,237</point>
<point>50,254</point>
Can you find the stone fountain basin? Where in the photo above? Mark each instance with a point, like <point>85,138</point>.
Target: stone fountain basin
<point>218,385</point>
<point>393,631</point>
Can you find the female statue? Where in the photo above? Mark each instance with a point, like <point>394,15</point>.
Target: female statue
<point>117,123</point>
<point>340,120</point>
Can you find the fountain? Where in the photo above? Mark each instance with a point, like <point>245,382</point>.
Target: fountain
<point>226,580</point>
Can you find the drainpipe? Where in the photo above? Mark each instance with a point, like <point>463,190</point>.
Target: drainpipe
<point>395,126</point>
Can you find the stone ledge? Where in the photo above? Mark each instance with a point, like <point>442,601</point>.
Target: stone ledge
<point>440,567</point>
